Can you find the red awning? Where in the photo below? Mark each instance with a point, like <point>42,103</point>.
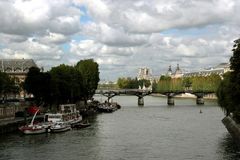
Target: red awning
<point>32,110</point>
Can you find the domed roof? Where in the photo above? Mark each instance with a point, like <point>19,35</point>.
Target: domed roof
<point>178,70</point>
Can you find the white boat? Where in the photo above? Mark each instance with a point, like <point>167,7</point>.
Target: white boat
<point>33,128</point>
<point>67,114</point>
<point>60,127</point>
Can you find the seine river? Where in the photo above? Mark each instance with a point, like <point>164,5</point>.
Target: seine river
<point>153,132</point>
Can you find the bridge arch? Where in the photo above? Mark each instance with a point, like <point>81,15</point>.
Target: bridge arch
<point>137,92</point>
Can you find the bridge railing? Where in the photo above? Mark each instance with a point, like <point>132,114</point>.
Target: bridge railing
<point>122,91</point>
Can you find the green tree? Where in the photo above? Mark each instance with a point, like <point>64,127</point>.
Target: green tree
<point>122,83</point>
<point>130,83</point>
<point>229,90</point>
<point>224,94</point>
<point>8,85</point>
<point>68,84</point>
<point>167,84</point>
<point>163,77</point>
<point>90,73</point>
<point>187,83</point>
<point>144,82</point>
<point>38,84</point>
<point>235,75</point>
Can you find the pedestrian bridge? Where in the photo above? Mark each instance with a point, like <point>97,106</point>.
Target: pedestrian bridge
<point>137,92</point>
<point>142,93</point>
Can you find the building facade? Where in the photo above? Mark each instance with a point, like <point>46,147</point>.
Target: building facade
<point>177,74</point>
<point>219,70</point>
<point>17,68</point>
<point>144,73</point>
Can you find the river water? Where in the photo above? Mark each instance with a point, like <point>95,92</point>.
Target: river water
<point>153,132</point>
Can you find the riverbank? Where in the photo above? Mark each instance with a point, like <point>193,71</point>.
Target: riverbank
<point>233,128</point>
<point>11,125</point>
<point>92,108</point>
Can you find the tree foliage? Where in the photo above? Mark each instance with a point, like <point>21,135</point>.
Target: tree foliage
<point>90,73</point>
<point>38,84</point>
<point>167,84</point>
<point>132,83</point>
<point>229,90</point>
<point>8,85</point>
<point>68,84</point>
<point>224,94</point>
<point>198,83</point>
<point>208,84</point>
<point>109,85</point>
<point>127,83</point>
<point>63,84</point>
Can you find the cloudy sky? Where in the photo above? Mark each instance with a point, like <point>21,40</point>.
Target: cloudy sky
<point>121,35</point>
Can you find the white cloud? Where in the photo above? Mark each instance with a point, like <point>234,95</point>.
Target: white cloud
<point>155,15</point>
<point>53,38</point>
<point>31,49</point>
<point>32,17</point>
<point>88,48</point>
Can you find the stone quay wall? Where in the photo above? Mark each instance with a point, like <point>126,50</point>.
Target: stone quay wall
<point>233,128</point>
<point>7,111</point>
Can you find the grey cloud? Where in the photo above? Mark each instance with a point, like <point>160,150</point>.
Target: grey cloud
<point>155,16</point>
<point>53,38</point>
<point>111,36</point>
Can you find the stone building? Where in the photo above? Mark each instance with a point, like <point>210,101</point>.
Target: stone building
<point>17,68</point>
<point>144,73</point>
<point>169,72</point>
<point>177,74</point>
<point>219,70</point>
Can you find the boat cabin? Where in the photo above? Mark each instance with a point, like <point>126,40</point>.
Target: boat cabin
<point>67,112</point>
<point>68,108</point>
<point>52,117</point>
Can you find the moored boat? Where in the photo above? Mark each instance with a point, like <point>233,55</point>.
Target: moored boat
<point>81,125</point>
<point>33,128</point>
<point>60,127</point>
<point>67,114</point>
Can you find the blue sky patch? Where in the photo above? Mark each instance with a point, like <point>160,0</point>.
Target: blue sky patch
<point>85,18</point>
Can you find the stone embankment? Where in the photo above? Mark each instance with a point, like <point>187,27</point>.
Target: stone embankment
<point>10,123</point>
<point>233,128</point>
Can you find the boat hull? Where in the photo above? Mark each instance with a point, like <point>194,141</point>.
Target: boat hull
<point>31,130</point>
<point>81,125</point>
<point>57,130</point>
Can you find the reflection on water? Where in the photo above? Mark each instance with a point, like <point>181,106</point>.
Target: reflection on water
<point>228,149</point>
<point>155,131</point>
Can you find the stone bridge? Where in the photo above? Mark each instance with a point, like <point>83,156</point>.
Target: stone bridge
<point>137,92</point>
<point>199,95</point>
<point>142,93</point>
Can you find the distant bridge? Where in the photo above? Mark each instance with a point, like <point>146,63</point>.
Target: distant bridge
<point>199,95</point>
<point>142,93</point>
<point>137,92</point>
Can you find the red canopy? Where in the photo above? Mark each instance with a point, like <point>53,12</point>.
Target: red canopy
<point>32,110</point>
